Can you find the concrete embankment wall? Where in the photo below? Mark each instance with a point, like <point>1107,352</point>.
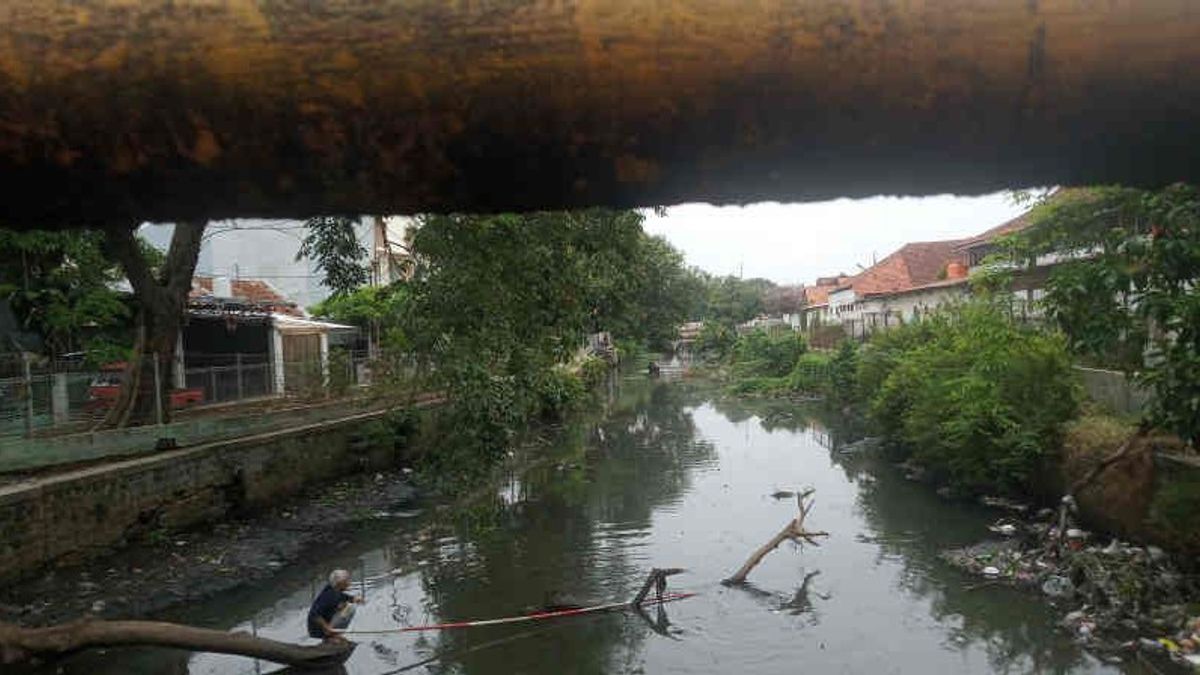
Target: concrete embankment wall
<point>74,515</point>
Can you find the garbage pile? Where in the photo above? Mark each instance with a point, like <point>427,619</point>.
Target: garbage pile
<point>1119,597</point>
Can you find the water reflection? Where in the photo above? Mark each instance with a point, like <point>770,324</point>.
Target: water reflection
<point>666,474</point>
<point>572,535</point>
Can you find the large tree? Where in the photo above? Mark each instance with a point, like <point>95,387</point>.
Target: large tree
<point>160,298</point>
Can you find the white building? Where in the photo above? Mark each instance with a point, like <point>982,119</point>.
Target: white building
<point>266,250</point>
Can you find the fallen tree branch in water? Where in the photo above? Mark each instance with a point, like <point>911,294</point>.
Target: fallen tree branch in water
<point>793,531</point>
<point>19,644</point>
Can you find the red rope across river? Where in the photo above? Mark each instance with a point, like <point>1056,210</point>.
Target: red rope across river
<point>537,616</point>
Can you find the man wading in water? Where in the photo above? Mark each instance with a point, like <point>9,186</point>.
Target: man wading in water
<point>333,609</point>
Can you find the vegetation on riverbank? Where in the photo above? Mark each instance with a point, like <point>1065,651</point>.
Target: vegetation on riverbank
<point>974,397</point>
<point>496,313</point>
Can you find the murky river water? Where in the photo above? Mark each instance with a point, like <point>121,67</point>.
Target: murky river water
<point>665,476</point>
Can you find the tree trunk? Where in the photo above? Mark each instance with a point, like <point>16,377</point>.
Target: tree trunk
<point>162,301</point>
<point>19,644</point>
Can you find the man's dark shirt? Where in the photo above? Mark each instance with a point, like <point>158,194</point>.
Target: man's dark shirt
<point>325,606</point>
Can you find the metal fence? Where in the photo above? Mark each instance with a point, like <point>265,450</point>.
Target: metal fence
<point>39,396</point>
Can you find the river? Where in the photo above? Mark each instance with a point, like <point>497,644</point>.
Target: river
<point>668,475</point>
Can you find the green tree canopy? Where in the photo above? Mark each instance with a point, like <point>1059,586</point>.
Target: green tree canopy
<point>62,287</point>
<point>1126,280</point>
<point>332,243</point>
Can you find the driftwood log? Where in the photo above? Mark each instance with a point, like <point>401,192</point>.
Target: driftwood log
<point>19,644</point>
<point>793,531</point>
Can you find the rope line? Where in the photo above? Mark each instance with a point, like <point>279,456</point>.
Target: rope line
<point>537,616</point>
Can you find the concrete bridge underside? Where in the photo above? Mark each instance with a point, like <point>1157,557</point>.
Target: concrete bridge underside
<point>116,111</point>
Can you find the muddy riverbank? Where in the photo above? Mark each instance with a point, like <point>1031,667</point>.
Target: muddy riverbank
<point>165,569</point>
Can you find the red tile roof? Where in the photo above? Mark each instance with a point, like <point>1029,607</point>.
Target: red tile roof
<point>914,264</point>
<point>819,293</point>
<point>254,291</point>
<point>1022,221</point>
<point>1015,225</point>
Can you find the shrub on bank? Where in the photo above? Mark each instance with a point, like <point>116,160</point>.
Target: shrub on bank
<point>976,398</point>
<point>810,374</point>
<point>593,370</point>
<point>765,355</point>
<point>557,392</point>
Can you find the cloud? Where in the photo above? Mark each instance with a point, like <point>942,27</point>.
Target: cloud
<point>795,243</point>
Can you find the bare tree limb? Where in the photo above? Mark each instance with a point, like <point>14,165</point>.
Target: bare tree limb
<point>793,531</point>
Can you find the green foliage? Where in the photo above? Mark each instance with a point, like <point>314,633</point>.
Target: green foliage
<point>376,310</point>
<point>393,430</point>
<point>1127,282</point>
<point>640,288</point>
<point>729,300</point>
<point>60,286</point>
<point>772,355</point>
<point>558,392</point>
<point>499,303</point>
<point>972,395</point>
<point>811,374</point>
<point>1174,508</point>
<point>593,370</point>
<point>760,386</point>
<point>842,384</point>
<point>332,244</point>
<point>716,340</point>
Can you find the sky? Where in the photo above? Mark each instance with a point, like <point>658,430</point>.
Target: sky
<point>796,243</point>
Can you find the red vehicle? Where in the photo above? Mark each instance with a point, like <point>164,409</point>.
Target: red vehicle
<point>106,387</point>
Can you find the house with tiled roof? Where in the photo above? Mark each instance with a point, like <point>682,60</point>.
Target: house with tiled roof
<point>816,300</point>
<point>871,300</point>
<point>243,337</point>
<point>922,277</point>
<point>258,293</point>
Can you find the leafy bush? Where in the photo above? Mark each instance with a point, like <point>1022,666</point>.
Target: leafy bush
<point>810,374</point>
<point>716,340</point>
<point>762,354</point>
<point>975,397</point>
<point>760,386</point>
<point>593,370</point>
<point>558,392</point>
<point>842,385</point>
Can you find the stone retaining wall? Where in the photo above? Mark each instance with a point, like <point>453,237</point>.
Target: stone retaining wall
<point>74,515</point>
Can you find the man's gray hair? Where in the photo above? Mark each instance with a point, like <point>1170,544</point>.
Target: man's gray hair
<point>338,576</point>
